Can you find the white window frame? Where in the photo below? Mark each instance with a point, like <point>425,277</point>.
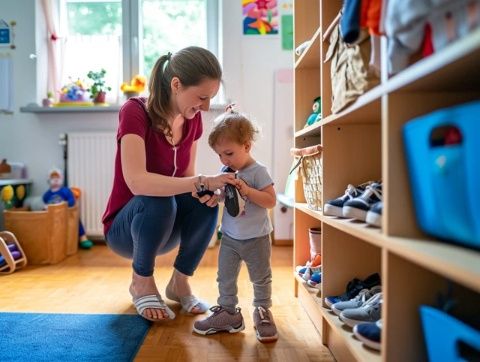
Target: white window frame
<point>131,33</point>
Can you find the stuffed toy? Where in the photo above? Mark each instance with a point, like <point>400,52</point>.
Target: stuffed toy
<point>316,115</point>
<point>59,193</point>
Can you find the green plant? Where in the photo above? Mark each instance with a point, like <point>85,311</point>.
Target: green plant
<point>98,84</point>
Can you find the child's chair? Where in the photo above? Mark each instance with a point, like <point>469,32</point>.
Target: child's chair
<point>12,256</point>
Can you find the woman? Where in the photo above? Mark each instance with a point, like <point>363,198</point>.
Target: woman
<point>154,204</point>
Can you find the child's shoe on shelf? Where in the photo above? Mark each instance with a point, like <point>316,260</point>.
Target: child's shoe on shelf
<point>315,280</point>
<point>370,311</point>
<point>220,320</point>
<point>354,287</point>
<point>374,215</point>
<point>335,207</point>
<point>264,325</point>
<point>358,207</point>
<point>370,334</point>
<point>358,301</point>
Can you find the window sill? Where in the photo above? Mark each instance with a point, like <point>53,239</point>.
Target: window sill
<point>35,108</point>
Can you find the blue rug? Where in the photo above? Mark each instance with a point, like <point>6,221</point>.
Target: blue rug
<point>70,337</point>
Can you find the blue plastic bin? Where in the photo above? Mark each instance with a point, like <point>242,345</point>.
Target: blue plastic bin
<point>443,158</point>
<point>448,339</point>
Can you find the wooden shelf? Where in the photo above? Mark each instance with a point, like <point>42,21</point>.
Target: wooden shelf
<point>310,131</point>
<point>358,229</point>
<point>310,57</point>
<point>313,213</point>
<point>457,263</point>
<point>364,141</point>
<point>356,348</point>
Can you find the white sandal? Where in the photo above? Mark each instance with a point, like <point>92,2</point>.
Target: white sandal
<point>188,302</point>
<point>152,301</point>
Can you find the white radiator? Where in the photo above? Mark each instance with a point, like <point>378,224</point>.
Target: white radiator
<point>91,158</point>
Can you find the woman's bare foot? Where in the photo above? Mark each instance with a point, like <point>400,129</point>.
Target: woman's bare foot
<point>142,286</point>
<point>179,286</point>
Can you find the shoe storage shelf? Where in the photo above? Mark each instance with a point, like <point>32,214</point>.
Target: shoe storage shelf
<point>364,142</point>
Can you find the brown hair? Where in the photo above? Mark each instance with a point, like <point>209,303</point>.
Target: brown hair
<point>234,127</point>
<point>191,65</point>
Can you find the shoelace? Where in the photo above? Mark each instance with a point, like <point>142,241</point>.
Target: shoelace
<point>264,316</point>
<point>363,296</point>
<point>374,301</point>
<point>371,190</point>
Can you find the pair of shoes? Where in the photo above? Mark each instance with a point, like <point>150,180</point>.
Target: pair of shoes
<point>220,320</point>
<point>152,301</point>
<point>359,300</point>
<point>335,207</point>
<point>370,311</point>
<point>358,207</point>
<point>354,287</point>
<point>234,203</point>
<point>370,334</point>
<point>264,325</point>
<point>188,302</point>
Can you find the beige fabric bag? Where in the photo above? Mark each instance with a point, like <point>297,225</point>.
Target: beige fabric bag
<point>349,69</point>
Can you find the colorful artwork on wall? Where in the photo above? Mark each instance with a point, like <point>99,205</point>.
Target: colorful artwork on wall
<point>260,17</point>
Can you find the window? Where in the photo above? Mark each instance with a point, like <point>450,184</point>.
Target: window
<point>126,37</point>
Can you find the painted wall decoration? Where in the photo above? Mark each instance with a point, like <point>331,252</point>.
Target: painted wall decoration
<point>260,17</point>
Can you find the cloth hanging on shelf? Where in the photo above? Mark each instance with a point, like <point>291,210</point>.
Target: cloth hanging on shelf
<point>6,84</point>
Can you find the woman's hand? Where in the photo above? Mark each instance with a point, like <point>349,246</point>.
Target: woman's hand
<point>208,200</point>
<point>217,182</point>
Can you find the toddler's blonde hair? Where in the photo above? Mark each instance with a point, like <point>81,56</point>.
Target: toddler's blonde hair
<point>234,127</point>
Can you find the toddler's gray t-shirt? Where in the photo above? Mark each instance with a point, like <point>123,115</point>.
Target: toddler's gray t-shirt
<point>254,221</point>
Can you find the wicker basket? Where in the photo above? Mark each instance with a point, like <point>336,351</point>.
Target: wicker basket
<point>309,165</point>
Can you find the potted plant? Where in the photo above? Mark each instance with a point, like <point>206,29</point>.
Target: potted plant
<point>48,101</point>
<point>98,88</point>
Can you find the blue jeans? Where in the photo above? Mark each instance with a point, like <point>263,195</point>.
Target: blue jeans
<point>148,226</point>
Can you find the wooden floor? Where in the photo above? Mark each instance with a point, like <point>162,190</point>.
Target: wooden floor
<point>96,281</point>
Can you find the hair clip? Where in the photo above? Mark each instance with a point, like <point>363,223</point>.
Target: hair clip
<point>229,108</point>
<point>169,56</point>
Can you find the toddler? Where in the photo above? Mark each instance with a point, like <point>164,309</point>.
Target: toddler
<point>245,235</point>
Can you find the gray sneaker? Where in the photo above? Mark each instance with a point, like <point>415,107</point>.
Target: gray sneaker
<point>264,325</point>
<point>370,311</point>
<point>220,321</point>
<point>356,302</point>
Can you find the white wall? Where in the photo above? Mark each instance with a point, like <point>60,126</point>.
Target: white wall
<point>249,65</point>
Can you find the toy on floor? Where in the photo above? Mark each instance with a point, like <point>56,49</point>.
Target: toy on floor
<point>59,193</point>
<point>12,256</point>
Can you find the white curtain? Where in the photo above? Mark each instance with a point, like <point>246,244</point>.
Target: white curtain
<point>50,11</point>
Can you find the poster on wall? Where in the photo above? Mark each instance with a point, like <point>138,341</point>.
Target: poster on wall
<point>260,17</point>
<point>286,24</point>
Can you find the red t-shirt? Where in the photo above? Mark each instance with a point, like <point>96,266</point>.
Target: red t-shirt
<point>162,157</point>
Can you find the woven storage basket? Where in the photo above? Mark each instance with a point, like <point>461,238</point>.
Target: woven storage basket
<point>309,165</point>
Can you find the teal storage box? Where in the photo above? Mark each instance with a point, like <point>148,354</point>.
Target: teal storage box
<point>443,158</point>
<point>448,339</point>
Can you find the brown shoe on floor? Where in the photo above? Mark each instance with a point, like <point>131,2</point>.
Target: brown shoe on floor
<point>264,325</point>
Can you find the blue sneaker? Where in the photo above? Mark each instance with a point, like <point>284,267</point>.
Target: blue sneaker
<point>354,287</point>
<point>370,334</point>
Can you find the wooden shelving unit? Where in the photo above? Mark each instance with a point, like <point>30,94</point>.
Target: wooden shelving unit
<point>364,142</point>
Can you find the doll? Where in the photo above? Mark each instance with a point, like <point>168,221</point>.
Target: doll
<point>59,193</point>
